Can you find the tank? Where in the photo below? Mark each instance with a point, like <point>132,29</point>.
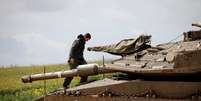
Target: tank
<point>165,72</point>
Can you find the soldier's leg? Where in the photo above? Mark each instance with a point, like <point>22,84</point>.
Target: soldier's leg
<point>68,80</point>
<point>83,78</point>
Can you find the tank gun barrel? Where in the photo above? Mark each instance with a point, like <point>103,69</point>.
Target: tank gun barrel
<point>198,24</point>
<point>82,70</point>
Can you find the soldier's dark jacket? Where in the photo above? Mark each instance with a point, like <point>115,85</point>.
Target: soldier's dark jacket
<point>77,48</point>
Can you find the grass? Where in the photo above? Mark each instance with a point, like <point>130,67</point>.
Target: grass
<point>12,89</point>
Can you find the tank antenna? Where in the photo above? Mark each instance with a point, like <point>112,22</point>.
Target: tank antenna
<point>103,61</point>
<point>174,40</point>
<point>103,66</point>
<point>44,71</point>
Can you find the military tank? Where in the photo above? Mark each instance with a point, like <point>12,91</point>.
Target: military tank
<point>165,72</point>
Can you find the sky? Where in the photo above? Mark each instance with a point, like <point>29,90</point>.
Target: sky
<point>36,32</point>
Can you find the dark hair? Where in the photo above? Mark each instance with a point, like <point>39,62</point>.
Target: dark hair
<point>87,35</point>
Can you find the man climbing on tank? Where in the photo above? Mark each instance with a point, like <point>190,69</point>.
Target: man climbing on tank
<point>76,57</point>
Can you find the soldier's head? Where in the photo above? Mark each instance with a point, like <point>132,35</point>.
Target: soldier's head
<point>87,36</point>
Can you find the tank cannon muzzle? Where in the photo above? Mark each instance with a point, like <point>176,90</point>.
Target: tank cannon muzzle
<point>26,79</point>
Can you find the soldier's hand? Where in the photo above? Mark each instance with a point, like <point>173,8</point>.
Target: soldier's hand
<point>89,48</point>
<point>72,61</point>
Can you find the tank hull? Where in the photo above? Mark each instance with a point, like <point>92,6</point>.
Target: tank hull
<point>88,98</point>
<point>130,90</point>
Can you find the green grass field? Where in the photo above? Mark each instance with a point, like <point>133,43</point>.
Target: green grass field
<point>12,89</point>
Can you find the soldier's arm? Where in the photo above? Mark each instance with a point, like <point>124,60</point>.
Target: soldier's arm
<point>74,48</point>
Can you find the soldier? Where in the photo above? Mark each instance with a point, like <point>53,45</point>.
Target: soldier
<point>76,57</point>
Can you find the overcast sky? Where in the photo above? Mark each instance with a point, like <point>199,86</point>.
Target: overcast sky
<point>42,31</point>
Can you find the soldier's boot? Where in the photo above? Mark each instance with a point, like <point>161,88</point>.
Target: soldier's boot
<point>66,83</point>
<point>83,79</point>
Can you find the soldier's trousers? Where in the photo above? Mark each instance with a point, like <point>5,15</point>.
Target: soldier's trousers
<point>68,80</point>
